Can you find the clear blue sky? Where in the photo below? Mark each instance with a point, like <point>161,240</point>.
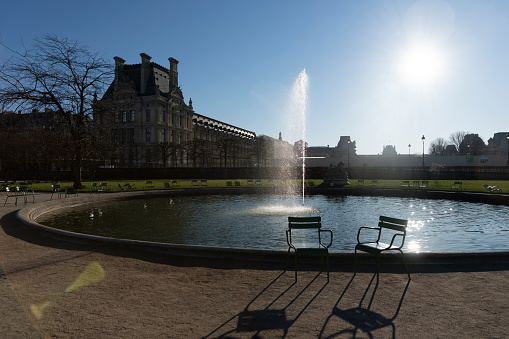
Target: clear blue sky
<point>383,72</point>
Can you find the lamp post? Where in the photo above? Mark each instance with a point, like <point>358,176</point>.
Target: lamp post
<point>348,145</point>
<point>423,150</point>
<point>409,149</point>
<point>507,137</point>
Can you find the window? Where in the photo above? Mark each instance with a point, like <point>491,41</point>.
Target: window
<point>124,116</point>
<point>132,116</point>
<point>164,116</point>
<point>147,134</point>
<point>148,115</point>
<point>124,136</point>
<point>180,138</point>
<point>163,136</point>
<point>115,119</point>
<point>131,135</point>
<point>148,105</point>
<point>171,136</point>
<point>172,117</point>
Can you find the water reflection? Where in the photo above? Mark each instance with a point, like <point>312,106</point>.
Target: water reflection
<point>259,221</point>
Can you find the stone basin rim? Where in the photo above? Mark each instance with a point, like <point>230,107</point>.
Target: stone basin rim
<point>28,215</point>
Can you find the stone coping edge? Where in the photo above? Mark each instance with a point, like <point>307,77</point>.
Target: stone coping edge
<point>29,214</point>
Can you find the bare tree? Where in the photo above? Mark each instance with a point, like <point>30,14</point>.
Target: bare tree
<point>437,146</point>
<point>60,74</point>
<point>456,138</point>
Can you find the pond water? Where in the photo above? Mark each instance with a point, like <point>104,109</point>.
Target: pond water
<point>260,221</point>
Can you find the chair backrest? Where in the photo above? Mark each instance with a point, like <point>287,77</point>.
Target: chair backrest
<point>304,222</point>
<point>393,223</point>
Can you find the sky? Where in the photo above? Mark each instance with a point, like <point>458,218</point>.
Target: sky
<point>381,72</point>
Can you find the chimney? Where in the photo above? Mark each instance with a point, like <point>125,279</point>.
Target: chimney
<point>174,74</point>
<point>145,71</point>
<point>119,68</point>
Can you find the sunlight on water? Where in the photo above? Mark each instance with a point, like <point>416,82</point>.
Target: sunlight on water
<point>281,210</point>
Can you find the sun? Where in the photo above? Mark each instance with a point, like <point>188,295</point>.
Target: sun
<point>421,64</point>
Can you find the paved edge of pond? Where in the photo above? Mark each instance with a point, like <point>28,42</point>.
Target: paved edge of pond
<point>252,258</point>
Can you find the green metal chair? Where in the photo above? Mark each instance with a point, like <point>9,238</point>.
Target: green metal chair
<point>69,190</point>
<point>149,184</point>
<point>55,188</point>
<point>104,187</point>
<point>396,228</point>
<point>93,187</point>
<point>309,225</point>
<point>129,187</point>
<point>13,192</point>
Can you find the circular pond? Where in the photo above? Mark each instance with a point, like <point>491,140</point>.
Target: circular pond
<point>259,221</point>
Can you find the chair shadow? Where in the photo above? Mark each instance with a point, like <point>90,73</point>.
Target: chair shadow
<point>363,318</point>
<point>259,320</point>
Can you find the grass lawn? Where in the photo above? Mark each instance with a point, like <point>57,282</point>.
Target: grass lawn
<point>441,185</point>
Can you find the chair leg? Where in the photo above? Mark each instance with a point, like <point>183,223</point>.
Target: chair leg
<point>377,268</point>
<point>328,267</point>
<point>287,258</point>
<point>355,262</point>
<point>406,266</point>
<point>295,266</point>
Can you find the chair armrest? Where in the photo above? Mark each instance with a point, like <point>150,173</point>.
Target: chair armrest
<point>365,227</point>
<point>289,240</point>
<point>329,231</point>
<point>394,237</point>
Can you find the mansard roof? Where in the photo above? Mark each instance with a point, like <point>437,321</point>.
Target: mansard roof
<point>209,123</point>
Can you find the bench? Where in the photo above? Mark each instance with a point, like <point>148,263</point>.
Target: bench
<point>149,184</point>
<point>373,183</point>
<point>313,244</point>
<point>396,228</point>
<point>424,184</point>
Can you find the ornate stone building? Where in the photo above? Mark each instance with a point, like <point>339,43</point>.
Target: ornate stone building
<point>144,115</point>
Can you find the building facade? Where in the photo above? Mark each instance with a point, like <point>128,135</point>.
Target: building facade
<point>148,123</point>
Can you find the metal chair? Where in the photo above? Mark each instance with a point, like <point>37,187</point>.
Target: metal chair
<point>314,225</point>
<point>397,228</point>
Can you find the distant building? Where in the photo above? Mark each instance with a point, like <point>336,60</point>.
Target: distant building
<point>499,144</point>
<point>144,114</point>
<point>344,148</point>
<point>389,151</point>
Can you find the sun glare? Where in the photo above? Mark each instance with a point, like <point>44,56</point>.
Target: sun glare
<point>421,64</point>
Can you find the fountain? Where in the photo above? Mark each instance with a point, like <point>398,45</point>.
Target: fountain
<point>299,103</point>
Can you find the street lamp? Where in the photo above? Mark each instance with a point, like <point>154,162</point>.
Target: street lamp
<point>348,153</point>
<point>423,150</point>
<point>507,137</point>
<point>409,149</point>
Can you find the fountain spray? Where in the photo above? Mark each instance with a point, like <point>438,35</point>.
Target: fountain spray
<point>300,100</point>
